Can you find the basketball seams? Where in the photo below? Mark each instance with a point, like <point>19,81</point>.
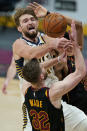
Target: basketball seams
<point>44,28</point>
<point>53,28</point>
<point>46,22</point>
<point>63,22</point>
<point>54,25</point>
<point>63,27</point>
<point>48,26</point>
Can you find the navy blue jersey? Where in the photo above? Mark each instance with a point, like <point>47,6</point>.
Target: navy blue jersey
<point>78,96</point>
<point>43,115</point>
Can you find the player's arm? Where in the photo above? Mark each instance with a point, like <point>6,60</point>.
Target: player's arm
<point>21,49</point>
<point>79,29</point>
<point>40,11</point>
<point>62,87</point>
<point>10,75</point>
<point>54,61</point>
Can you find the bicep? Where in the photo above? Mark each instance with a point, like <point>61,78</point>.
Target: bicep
<point>21,49</point>
<point>62,87</point>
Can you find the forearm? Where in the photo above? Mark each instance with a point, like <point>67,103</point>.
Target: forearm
<point>80,38</point>
<point>60,59</point>
<point>21,49</point>
<point>11,73</point>
<point>79,62</point>
<point>50,63</point>
<point>69,21</point>
<point>39,51</point>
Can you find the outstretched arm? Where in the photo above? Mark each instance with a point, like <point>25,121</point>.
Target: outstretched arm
<point>40,11</point>
<point>54,61</point>
<point>10,75</point>
<point>62,87</point>
<point>21,49</point>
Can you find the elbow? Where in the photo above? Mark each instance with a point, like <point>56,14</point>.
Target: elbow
<point>82,73</point>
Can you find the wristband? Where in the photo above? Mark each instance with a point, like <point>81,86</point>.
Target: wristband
<point>58,58</point>
<point>47,13</point>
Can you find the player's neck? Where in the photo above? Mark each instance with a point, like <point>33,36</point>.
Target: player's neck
<point>38,86</point>
<point>32,40</point>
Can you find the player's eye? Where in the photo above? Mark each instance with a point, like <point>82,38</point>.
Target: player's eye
<point>25,20</point>
<point>33,19</point>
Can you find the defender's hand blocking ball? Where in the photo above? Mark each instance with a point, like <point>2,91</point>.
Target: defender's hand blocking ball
<point>54,25</point>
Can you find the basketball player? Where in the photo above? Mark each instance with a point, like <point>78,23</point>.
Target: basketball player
<point>27,47</point>
<point>40,11</point>
<point>78,96</point>
<point>11,72</point>
<point>30,45</point>
<point>44,104</point>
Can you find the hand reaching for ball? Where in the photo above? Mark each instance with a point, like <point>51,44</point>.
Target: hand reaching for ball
<point>38,9</point>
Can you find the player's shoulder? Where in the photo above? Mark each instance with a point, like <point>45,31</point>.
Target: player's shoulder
<point>18,42</point>
<point>45,90</point>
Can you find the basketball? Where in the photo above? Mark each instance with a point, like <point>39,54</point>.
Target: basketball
<point>54,25</point>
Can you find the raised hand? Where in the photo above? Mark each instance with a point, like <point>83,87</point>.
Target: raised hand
<point>73,33</point>
<point>38,9</point>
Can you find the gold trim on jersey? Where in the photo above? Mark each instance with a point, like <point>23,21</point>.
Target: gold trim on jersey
<point>25,120</point>
<point>19,70</point>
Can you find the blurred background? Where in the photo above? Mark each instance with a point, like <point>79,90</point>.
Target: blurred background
<point>10,104</point>
<point>76,9</point>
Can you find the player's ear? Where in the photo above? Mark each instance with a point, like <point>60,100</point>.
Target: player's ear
<point>19,29</point>
<point>42,76</point>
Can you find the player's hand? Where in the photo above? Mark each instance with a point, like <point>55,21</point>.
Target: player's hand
<point>38,9</point>
<point>62,57</point>
<point>4,89</point>
<point>57,43</point>
<point>73,34</point>
<point>73,38</point>
<point>61,43</point>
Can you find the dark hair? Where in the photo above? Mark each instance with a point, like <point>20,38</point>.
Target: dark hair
<point>22,11</point>
<point>31,71</point>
